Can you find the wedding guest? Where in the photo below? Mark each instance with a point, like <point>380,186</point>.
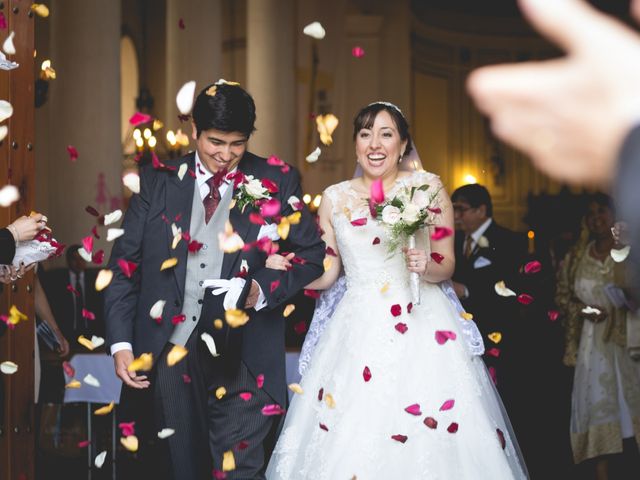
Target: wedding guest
<point>22,229</point>
<point>605,404</point>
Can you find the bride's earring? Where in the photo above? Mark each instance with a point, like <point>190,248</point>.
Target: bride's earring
<point>400,159</point>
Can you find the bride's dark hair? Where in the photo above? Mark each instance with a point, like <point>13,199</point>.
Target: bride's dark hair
<point>368,114</point>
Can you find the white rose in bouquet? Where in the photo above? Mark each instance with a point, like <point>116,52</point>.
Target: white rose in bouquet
<point>411,213</point>
<point>255,189</point>
<point>420,199</point>
<point>390,215</point>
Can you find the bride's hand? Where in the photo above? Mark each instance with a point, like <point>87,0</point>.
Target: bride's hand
<point>278,262</point>
<point>416,260</point>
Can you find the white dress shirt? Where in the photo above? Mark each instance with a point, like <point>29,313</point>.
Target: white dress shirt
<point>475,238</point>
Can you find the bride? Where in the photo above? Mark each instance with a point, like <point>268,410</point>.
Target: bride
<point>386,393</point>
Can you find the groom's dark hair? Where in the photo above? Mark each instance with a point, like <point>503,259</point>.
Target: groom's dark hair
<point>226,107</point>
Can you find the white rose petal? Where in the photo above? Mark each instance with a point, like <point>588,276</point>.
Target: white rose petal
<point>590,310</point>
<point>211,345</point>
<point>86,256</point>
<point>114,233</point>
<point>313,156</point>
<point>99,460</point>
<point>8,195</point>
<point>6,110</point>
<point>503,291</point>
<point>112,217</point>
<point>244,265</point>
<point>8,46</point>
<point>166,433</point>
<point>420,199</point>
<point>483,242</point>
<point>182,170</point>
<point>618,254</point>
<point>91,380</point>
<point>7,64</point>
<point>390,215</point>
<point>184,98</point>
<point>97,341</point>
<point>256,189</point>
<point>410,213</point>
<point>132,182</point>
<point>315,30</point>
<point>294,202</point>
<point>157,308</point>
<point>8,368</point>
<point>4,130</point>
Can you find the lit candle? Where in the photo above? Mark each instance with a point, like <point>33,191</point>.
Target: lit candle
<point>531,235</point>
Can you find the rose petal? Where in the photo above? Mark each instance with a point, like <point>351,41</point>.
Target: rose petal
<point>165,433</point>
<point>502,290</point>
<point>246,396</point>
<point>98,257</point>
<point>91,380</point>
<point>357,52</point>
<point>100,458</point>
<point>376,191</point>
<point>127,267</point>
<point>8,47</point>
<point>493,352</point>
<point>242,445</point>
<point>447,405</point>
<point>324,427</point>
<point>288,310</point>
<point>9,194</point>
<point>441,232</point>
<point>184,98</point>
<point>228,461</point>
<point>132,181</point>
<point>127,428</point>
<point>88,315</point>
<point>269,185</point>
<point>396,310</point>
<point>220,392</point>
<point>300,327</point>
<point>443,335</point>
<point>503,442</point>
<point>452,428</point>
<point>139,118</point>
<point>73,384</point>
<point>436,257</point>
<point>273,286</point>
<point>409,307</point>
<point>68,369</point>
<point>210,343</point>
<point>620,254</point>
<point>413,409</point>
<point>359,222</point>
<point>401,327</point>
<point>114,233</point>
<point>3,21</point>
<point>179,318</point>
<point>320,394</point>
<point>376,241</point>
<point>493,375</point>
<point>103,279</point>
<point>169,263</point>
<point>87,243</point>
<point>314,30</point>
<point>532,267</point>
<point>186,378</point>
<point>270,208</point>
<point>260,380</point>
<point>313,156</point>
<point>40,9</point>
<point>236,317</point>
<point>256,219</point>
<point>328,399</point>
<point>296,388</point>
<point>467,316</point>
<point>525,298</point>
<point>272,409</point>
<point>112,217</point>
<point>431,423</point>
<point>130,443</point>
<point>495,337</point>
<point>84,443</point>
<point>311,293</point>
<point>553,315</point>
<point>105,410</point>
<point>86,256</point>
<point>143,363</point>
<point>73,153</point>
<point>8,368</point>
<point>399,438</point>
<point>176,354</point>
<point>366,374</point>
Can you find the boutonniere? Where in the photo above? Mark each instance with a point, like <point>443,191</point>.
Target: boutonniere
<point>483,242</point>
<point>252,191</point>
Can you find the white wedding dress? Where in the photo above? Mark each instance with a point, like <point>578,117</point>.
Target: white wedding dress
<point>350,421</point>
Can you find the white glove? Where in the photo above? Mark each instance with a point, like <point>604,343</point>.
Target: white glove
<point>232,288</point>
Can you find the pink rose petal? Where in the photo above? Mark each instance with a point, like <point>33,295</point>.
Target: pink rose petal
<point>256,219</point>
<point>127,428</point>
<point>366,374</point>
<point>359,222</point>
<point>311,293</point>
<point>269,185</point>
<point>401,327</point>
<point>413,409</point>
<point>431,422</point>
<point>84,443</point>
<point>532,267</point>
<point>260,380</point>
<point>441,232</point>
<point>68,369</point>
<point>553,315</point>
<point>436,210</point>
<point>127,267</point>
<point>274,286</point>
<point>448,405</point>
<point>186,378</point>
<point>525,298</point>
<point>3,21</point>
<point>178,319</point>
<point>357,52</point>
<point>443,335</point>
<point>88,315</point>
<point>272,409</point>
<point>181,24</point>
<point>270,208</point>
<point>87,243</point>
<point>73,153</point>
<point>377,191</point>
<point>139,118</point>
<point>494,375</point>
<point>246,396</point>
<point>493,352</point>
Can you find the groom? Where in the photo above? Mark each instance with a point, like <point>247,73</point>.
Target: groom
<point>199,396</point>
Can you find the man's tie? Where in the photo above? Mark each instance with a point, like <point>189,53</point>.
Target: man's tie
<point>212,200</point>
<point>468,242</point>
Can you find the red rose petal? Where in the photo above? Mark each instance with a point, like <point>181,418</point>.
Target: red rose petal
<point>436,257</point>
<point>219,475</point>
<point>443,335</point>
<point>324,427</point>
<point>413,409</point>
<point>73,290</point>
<point>357,52</point>
<point>256,219</point>
<point>320,394</point>
<point>503,442</point>
<point>532,267</point>
<point>399,438</point>
<point>127,428</point>
<point>94,231</point>
<point>91,211</point>
<point>194,246</point>
<point>431,422</point>
<point>396,310</point>
<point>366,374</point>
<point>68,369</point>
<point>553,315</point>
<point>494,375</point>
<point>84,443</point>
<point>73,153</point>
<point>3,21</point>
<point>436,210</point>
<point>269,185</point>
<point>139,118</point>
<point>181,24</point>
<point>242,445</point>
<point>376,241</point>
<point>409,307</point>
<point>87,243</point>
<point>186,378</point>
<point>448,405</point>
<point>441,232</point>
<point>453,428</point>
<point>525,298</point>
<point>260,380</point>
<point>178,319</point>
<point>359,222</point>
<point>127,267</point>
<point>300,327</point>
<point>330,251</point>
<point>494,352</point>
<point>98,257</point>
<point>246,396</point>
<point>274,286</point>
<point>272,409</point>
<point>401,327</point>
<point>88,315</point>
<point>311,293</point>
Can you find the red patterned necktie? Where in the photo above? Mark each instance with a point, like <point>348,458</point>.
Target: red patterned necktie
<point>212,200</point>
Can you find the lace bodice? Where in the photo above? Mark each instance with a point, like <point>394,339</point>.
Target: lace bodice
<point>362,241</point>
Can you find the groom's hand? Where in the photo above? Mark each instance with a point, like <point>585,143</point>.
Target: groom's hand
<point>254,293</point>
<point>122,359</point>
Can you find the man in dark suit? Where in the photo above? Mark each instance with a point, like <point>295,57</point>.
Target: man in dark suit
<point>486,253</point>
<point>195,195</point>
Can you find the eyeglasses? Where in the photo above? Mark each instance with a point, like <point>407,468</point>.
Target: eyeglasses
<point>460,209</point>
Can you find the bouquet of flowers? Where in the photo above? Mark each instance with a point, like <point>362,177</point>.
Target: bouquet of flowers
<point>42,247</point>
<point>410,210</point>
<point>252,191</point>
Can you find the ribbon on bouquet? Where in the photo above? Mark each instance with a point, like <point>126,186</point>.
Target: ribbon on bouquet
<point>414,277</point>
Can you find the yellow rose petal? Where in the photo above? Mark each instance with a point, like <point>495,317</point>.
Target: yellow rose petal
<point>169,263</point>
<point>176,240</point>
<point>73,384</point>
<point>228,461</point>
<point>211,91</point>
<point>328,398</point>
<point>288,310</point>
<point>220,392</point>
<point>236,318</point>
<point>283,228</point>
<point>466,316</point>
<point>143,363</point>
<point>130,443</point>
<point>103,279</point>
<point>294,218</point>
<point>104,410</point>
<point>326,263</point>
<point>495,337</point>
<point>296,388</point>
<point>177,353</point>
<point>85,342</point>
<point>16,316</point>
<point>41,9</point>
<point>384,288</point>
<point>217,324</point>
